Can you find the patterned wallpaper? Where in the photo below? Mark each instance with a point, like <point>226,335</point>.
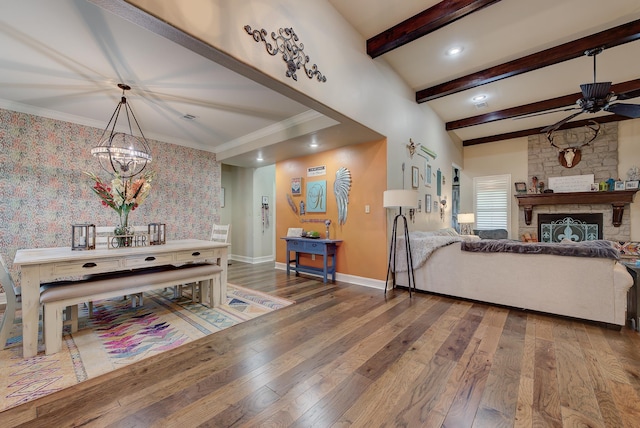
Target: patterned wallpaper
<point>43,189</point>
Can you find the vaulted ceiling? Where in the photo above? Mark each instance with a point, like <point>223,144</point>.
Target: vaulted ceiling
<point>525,57</point>
<point>63,60</point>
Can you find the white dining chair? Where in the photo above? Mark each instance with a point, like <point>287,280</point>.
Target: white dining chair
<point>103,234</point>
<point>221,233</point>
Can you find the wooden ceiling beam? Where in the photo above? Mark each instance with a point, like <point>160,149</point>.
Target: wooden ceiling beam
<point>609,38</point>
<point>425,22</point>
<point>533,108</point>
<point>533,131</point>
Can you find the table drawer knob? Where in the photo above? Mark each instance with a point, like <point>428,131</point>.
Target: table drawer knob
<point>195,253</point>
<point>89,265</point>
<point>149,259</point>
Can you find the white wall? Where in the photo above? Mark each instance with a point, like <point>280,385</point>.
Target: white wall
<point>366,90</point>
<point>628,156</point>
<point>264,183</point>
<point>244,188</point>
<point>501,157</point>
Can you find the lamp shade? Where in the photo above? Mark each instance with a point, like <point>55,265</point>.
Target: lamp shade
<point>400,198</point>
<point>464,218</point>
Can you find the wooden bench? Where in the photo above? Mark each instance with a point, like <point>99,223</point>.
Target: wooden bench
<point>56,298</point>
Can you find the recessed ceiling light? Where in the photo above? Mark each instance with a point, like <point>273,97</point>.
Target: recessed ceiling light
<point>456,50</point>
<point>313,145</point>
<point>259,158</point>
<point>479,98</point>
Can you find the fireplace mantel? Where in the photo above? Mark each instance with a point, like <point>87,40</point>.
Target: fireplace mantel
<point>618,199</point>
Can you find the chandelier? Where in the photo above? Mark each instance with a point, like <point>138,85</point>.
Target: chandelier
<point>124,154</point>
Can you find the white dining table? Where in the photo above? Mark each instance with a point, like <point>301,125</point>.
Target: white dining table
<point>43,265</point>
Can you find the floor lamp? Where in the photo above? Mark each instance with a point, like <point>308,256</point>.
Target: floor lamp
<point>399,199</point>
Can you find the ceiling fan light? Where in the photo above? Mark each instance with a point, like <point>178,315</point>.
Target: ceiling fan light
<point>595,90</point>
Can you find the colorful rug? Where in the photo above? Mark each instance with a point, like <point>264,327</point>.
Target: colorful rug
<point>118,335</point>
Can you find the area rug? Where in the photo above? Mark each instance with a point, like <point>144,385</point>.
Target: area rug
<point>117,335</point>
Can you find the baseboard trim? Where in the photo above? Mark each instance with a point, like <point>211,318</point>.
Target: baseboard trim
<point>350,279</point>
<point>251,260</point>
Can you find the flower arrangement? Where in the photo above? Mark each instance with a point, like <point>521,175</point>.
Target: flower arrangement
<point>123,196</point>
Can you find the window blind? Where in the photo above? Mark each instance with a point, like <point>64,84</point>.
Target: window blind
<point>492,202</point>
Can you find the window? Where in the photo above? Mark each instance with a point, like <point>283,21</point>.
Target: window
<point>492,201</point>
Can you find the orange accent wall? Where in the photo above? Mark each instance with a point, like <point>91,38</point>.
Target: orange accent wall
<point>363,250</point>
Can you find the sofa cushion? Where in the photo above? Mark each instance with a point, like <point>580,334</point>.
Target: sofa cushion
<point>491,233</point>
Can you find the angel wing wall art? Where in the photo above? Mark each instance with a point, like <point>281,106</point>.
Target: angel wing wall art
<point>341,189</point>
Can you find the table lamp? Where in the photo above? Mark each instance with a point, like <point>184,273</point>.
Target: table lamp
<point>465,220</point>
<point>400,198</point>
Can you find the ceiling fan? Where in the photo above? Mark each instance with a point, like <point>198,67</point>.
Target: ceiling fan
<point>597,96</point>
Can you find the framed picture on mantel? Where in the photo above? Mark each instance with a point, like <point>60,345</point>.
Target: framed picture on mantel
<point>631,185</point>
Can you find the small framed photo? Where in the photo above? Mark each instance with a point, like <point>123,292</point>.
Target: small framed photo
<point>521,187</point>
<point>595,187</point>
<point>415,177</point>
<point>427,173</point>
<point>631,185</point>
<point>619,185</point>
<point>427,202</point>
<point>296,186</point>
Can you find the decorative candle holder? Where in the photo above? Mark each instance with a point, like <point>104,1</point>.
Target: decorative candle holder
<point>83,236</point>
<point>157,233</point>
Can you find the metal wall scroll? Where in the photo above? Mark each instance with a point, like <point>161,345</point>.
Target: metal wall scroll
<point>286,42</point>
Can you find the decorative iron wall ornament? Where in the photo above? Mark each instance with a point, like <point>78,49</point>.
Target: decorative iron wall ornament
<point>287,43</point>
<point>341,189</point>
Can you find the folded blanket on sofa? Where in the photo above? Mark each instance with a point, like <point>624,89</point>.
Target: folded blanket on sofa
<point>598,248</point>
<point>422,245</point>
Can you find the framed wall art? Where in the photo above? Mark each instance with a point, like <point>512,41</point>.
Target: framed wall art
<point>296,186</point>
<point>415,177</point>
<point>427,202</point>
<point>317,196</point>
<point>427,173</point>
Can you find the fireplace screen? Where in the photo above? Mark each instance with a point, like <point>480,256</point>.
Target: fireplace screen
<point>575,227</point>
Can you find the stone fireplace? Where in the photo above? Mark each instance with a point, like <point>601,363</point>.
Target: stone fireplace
<point>599,158</point>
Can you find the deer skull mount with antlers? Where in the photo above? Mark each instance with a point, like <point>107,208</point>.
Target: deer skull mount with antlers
<point>571,156</point>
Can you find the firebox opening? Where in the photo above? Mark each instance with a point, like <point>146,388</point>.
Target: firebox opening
<point>575,227</point>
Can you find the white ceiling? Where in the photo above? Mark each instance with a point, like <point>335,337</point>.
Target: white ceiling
<point>63,59</point>
<point>504,31</point>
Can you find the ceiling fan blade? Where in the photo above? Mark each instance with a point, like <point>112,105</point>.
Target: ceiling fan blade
<point>627,110</point>
<point>526,116</point>
<point>595,90</point>
<point>559,124</point>
<point>628,95</point>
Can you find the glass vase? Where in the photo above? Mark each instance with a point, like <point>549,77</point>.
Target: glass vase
<point>124,232</point>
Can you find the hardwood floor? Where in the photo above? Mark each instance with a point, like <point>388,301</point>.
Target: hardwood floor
<point>346,355</point>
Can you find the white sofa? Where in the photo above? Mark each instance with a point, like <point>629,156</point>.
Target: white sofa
<point>580,287</point>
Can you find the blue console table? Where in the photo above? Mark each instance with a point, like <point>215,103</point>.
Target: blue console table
<point>324,247</point>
